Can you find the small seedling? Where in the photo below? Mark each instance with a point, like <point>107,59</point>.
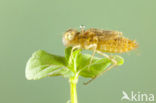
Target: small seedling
<point>75,63</point>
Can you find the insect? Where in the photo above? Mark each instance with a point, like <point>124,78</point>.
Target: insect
<point>99,41</point>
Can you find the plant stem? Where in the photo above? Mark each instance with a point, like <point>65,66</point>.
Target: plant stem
<point>73,92</point>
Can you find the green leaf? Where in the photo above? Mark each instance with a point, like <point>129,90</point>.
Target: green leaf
<point>81,63</point>
<point>119,59</point>
<point>72,58</point>
<point>68,53</point>
<point>43,64</point>
<point>97,66</point>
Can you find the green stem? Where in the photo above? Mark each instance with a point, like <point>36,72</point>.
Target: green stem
<point>73,92</point>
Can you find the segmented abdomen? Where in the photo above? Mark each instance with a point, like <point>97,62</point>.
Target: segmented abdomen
<point>118,45</point>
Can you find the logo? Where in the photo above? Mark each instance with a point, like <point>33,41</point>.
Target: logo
<point>137,96</point>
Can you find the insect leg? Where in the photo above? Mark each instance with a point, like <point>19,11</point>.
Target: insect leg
<point>86,83</point>
<point>92,55</point>
<point>75,47</point>
<point>107,56</point>
<point>94,46</point>
<point>113,65</point>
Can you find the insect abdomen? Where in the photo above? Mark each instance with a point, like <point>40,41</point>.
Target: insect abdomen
<point>118,45</point>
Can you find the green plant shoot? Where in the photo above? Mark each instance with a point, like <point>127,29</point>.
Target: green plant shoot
<point>42,64</point>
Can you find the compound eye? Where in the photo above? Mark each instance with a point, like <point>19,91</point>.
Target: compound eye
<point>69,36</point>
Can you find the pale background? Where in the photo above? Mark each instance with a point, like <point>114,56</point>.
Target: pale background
<point>29,25</point>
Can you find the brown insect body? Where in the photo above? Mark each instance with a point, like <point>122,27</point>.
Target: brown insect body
<point>100,40</point>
